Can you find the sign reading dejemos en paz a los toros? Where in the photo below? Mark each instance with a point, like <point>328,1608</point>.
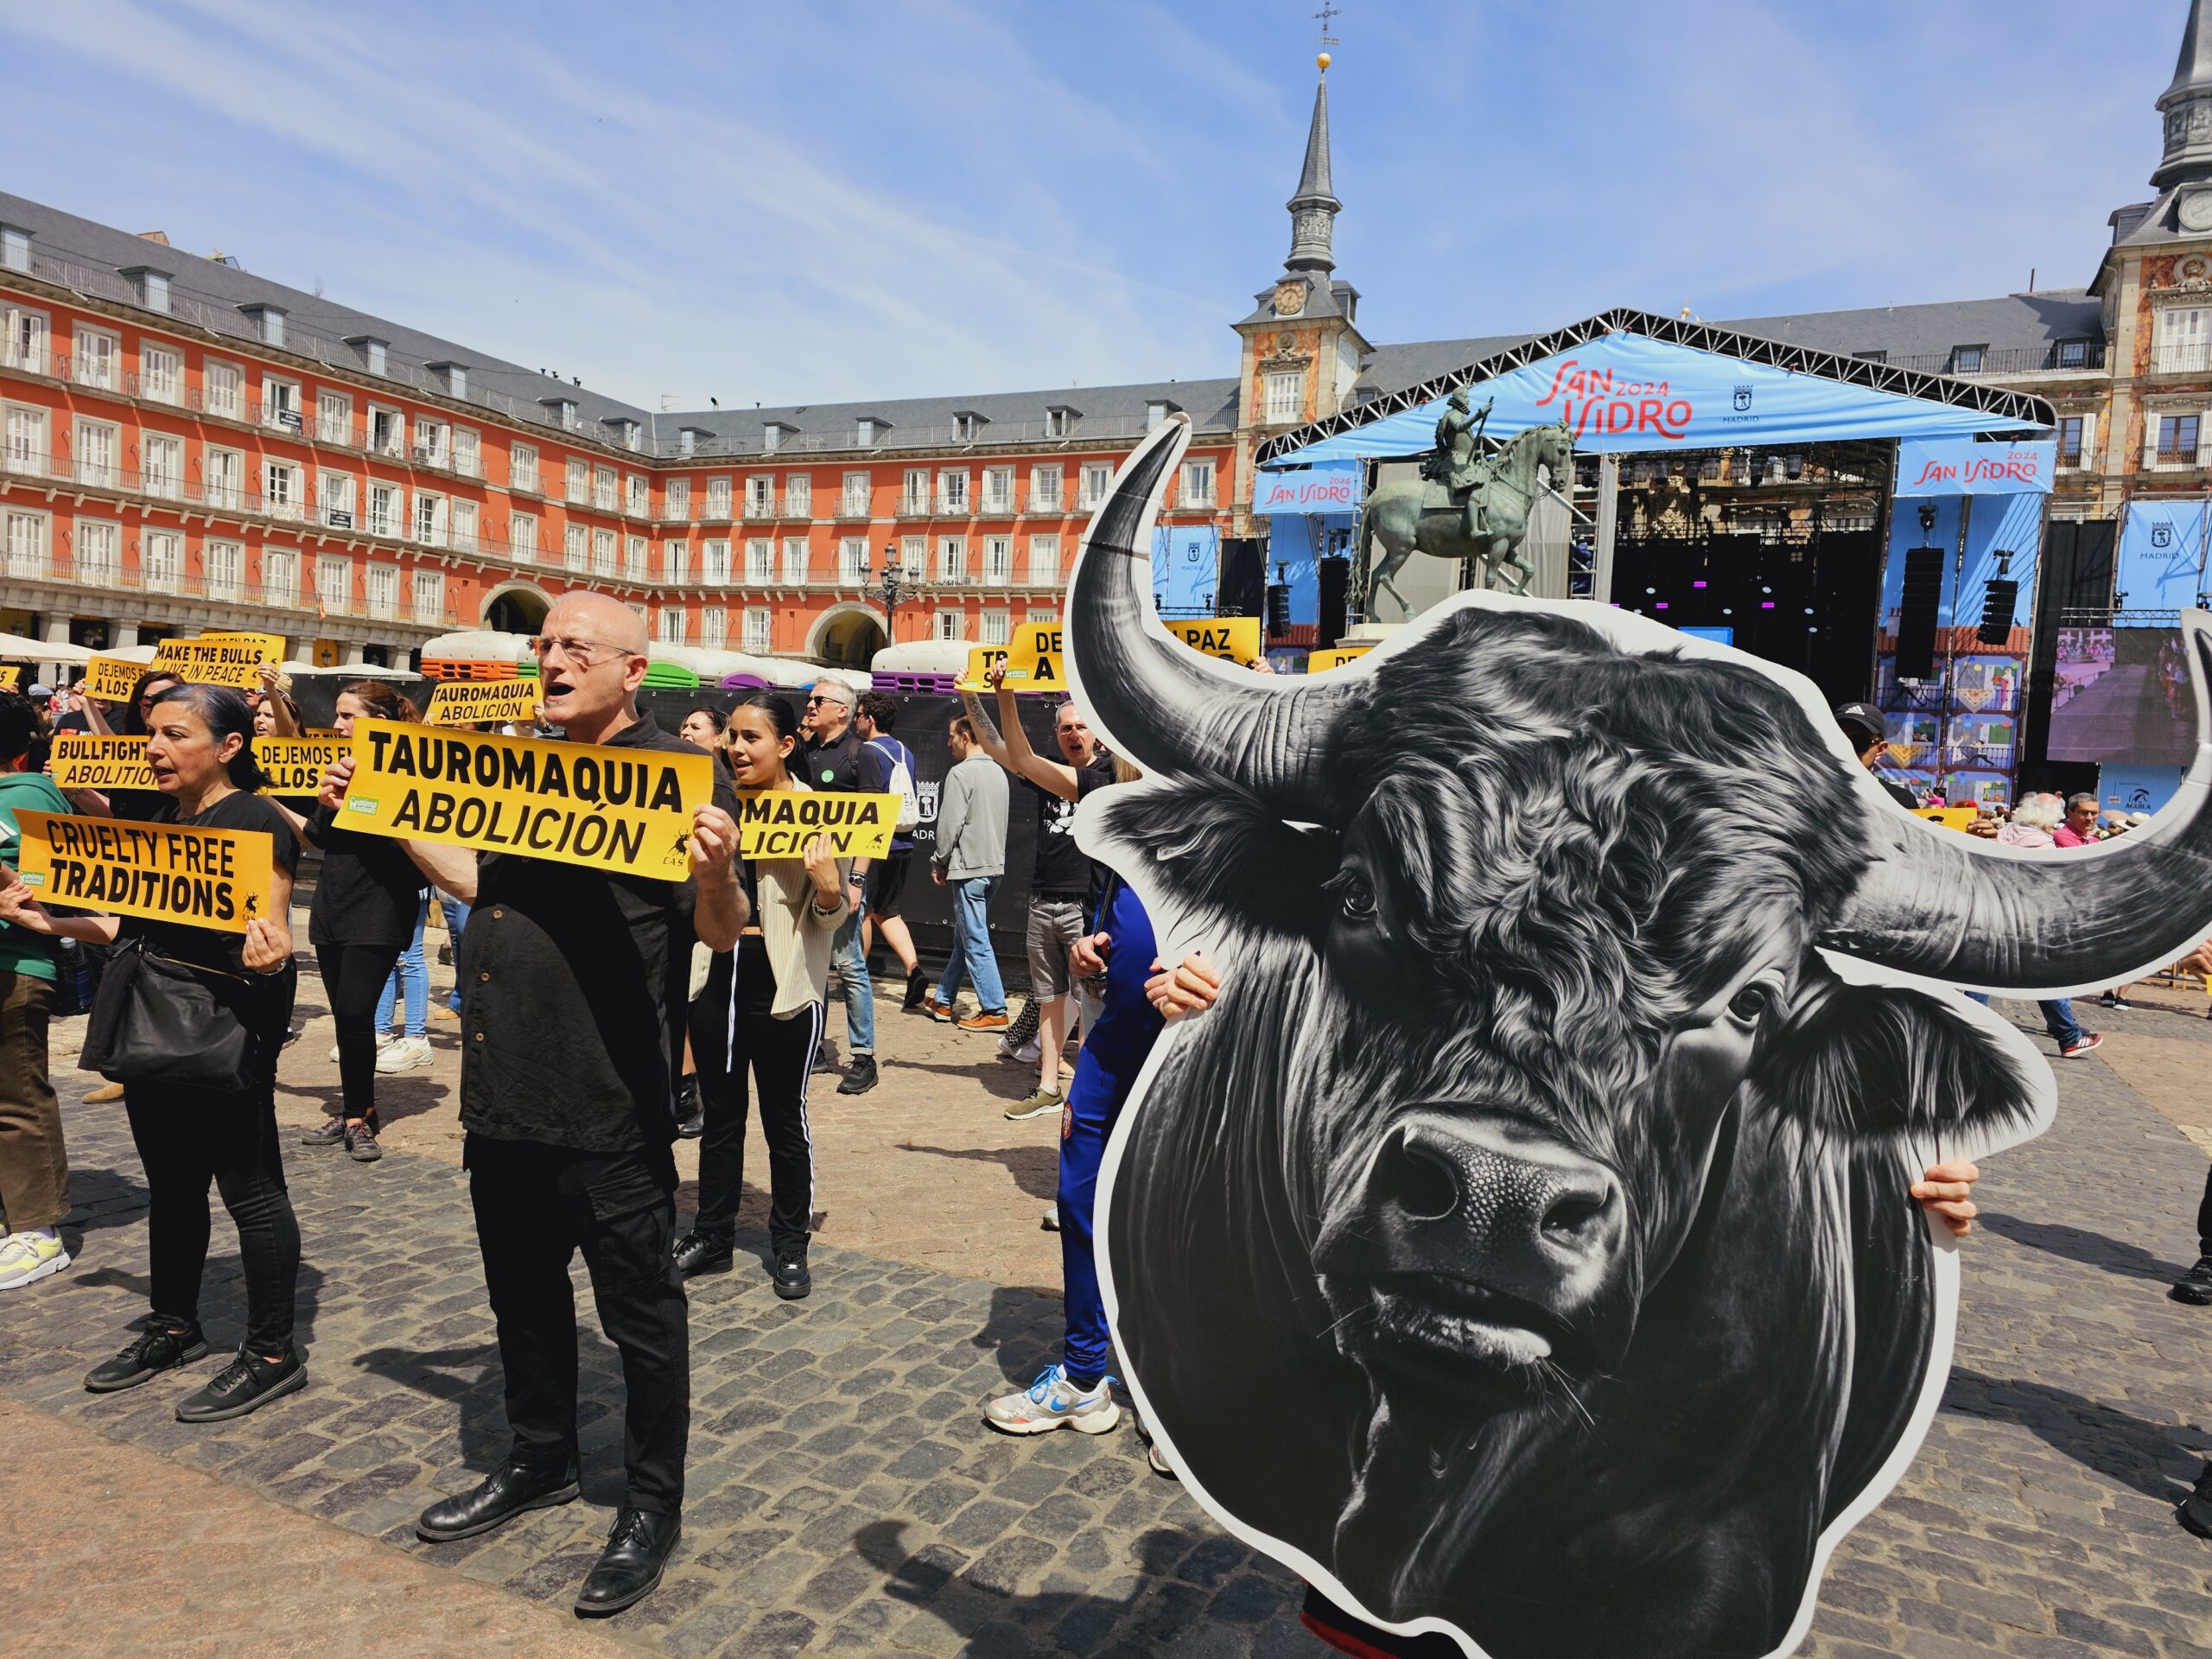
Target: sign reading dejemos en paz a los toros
<point>111,679</point>
<point>217,878</point>
<point>612,809</point>
<point>294,765</point>
<point>1032,657</point>
<point>1320,662</point>
<point>468,702</point>
<point>779,823</point>
<point>90,760</point>
<point>231,659</point>
<point>1233,639</point>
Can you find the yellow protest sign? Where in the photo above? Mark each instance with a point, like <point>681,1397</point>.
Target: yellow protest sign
<point>466,703</point>
<point>295,764</point>
<point>273,645</point>
<point>617,810</point>
<point>1321,661</point>
<point>111,679</point>
<point>779,823</point>
<point>88,761</point>
<point>1951,818</point>
<point>1032,659</point>
<point>218,660</point>
<point>1234,638</point>
<point>216,879</point>
<point>11,676</point>
<point>982,660</point>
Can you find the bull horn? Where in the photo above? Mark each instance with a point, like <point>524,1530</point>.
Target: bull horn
<point>1159,702</point>
<point>1944,905</point>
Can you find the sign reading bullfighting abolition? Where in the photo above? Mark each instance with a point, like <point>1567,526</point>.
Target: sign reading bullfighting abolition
<point>294,765</point>
<point>217,878</point>
<point>780,823</point>
<point>614,809</point>
<point>90,760</point>
<point>469,702</point>
<point>231,659</point>
<point>1544,1166</point>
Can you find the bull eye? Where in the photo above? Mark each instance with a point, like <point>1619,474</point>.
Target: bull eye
<point>1751,1004</point>
<point>1355,895</point>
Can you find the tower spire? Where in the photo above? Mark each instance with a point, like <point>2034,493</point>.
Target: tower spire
<point>2187,103</point>
<point>1314,210</point>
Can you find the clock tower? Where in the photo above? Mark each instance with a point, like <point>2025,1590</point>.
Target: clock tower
<point>1302,347</point>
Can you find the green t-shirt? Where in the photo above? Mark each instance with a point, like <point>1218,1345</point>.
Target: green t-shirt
<point>23,951</point>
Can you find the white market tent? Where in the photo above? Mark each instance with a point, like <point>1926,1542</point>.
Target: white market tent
<point>20,648</point>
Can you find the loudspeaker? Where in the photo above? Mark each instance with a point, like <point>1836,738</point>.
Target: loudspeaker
<point>1333,585</point>
<point>1278,609</point>
<point>1997,606</point>
<point>1922,594</point>
<point>1243,588</point>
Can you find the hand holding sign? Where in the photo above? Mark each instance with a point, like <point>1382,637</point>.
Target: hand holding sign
<point>268,947</point>
<point>822,866</point>
<point>714,840</point>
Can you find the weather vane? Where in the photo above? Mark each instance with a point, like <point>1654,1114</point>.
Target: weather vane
<point>1327,15</point>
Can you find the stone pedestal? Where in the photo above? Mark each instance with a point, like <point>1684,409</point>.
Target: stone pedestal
<point>1369,633</point>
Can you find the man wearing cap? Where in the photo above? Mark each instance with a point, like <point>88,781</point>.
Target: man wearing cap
<point>832,756</point>
<point>1869,733</point>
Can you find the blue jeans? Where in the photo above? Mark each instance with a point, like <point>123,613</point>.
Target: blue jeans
<point>2058,1019</point>
<point>456,915</point>
<point>845,956</point>
<point>410,979</point>
<point>971,956</point>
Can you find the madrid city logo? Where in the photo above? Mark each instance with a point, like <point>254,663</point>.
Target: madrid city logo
<point>2162,535</point>
<point>1743,398</point>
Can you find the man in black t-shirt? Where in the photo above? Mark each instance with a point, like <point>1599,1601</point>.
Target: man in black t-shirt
<point>1061,878</point>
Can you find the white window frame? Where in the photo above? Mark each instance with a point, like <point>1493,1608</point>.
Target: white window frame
<point>161,560</point>
<point>1283,398</point>
<point>760,495</point>
<point>994,628</point>
<point>575,548</point>
<point>852,499</point>
<point>718,498</point>
<point>998,561</point>
<point>606,551</point>
<point>1048,488</point>
<point>333,417</point>
<point>280,575</point>
<point>952,558</point>
<point>676,561</point>
<point>675,624</point>
<point>427,524</point>
<point>575,481</point>
<point>29,344</point>
<point>95,452</point>
<point>522,537</point>
<point>795,561</point>
<point>26,540</point>
<point>637,496</point>
<point>851,562</point>
<point>333,583</point>
<point>606,489</point>
<point>96,553</point>
<point>26,431</point>
<point>914,497</point>
<point>280,397</point>
<point>468,452</point>
<point>224,561</point>
<point>676,500</point>
<point>222,386</point>
<point>282,489</point>
<point>949,625</point>
<point>998,490</point>
<point>714,626</point>
<point>913,559</point>
<point>1045,560</point>
<point>1195,487</point>
<point>162,468</point>
<point>383,508</point>
<point>760,630</point>
<point>1097,477</point>
<point>394,444</point>
<point>522,468</point>
<point>461,525</point>
<point>433,442</point>
<point>759,562</point>
<point>426,595</point>
<point>381,590</point>
<point>2181,338</point>
<point>714,561</point>
<point>223,477</point>
<point>637,559</point>
<point>952,491</point>
<point>160,373</point>
<point>98,352</point>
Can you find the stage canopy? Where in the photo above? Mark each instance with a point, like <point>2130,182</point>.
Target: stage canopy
<point>1628,381</point>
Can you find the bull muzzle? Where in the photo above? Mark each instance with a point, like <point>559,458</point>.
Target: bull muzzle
<point>1475,1237</point>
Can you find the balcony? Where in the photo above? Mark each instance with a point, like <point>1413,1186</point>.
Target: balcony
<point>2174,460</point>
<point>34,358</point>
<point>716,511</point>
<point>853,506</point>
<point>2182,357</point>
<point>913,506</point>
<point>279,416</point>
<point>2062,357</point>
<point>430,454</point>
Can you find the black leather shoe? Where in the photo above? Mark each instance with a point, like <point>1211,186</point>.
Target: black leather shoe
<point>792,1279</point>
<point>2195,1287</point>
<point>162,1348</point>
<point>630,1566</point>
<point>506,1492</point>
<point>246,1384</point>
<point>2196,1510</point>
<point>699,1252</point>
<point>860,1075</point>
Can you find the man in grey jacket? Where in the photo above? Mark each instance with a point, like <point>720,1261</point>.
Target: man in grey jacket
<point>970,857</point>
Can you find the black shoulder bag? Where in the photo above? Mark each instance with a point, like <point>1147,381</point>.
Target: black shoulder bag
<point>157,1020</point>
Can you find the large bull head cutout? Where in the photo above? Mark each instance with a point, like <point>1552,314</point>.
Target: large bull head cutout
<point>1521,1247</point>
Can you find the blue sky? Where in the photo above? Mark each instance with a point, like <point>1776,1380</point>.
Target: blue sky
<point>836,200</point>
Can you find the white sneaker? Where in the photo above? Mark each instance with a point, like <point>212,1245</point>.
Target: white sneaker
<point>1052,1217</point>
<point>405,1055</point>
<point>1026,1055</point>
<point>26,1258</point>
<point>384,1039</point>
<point>1050,1403</point>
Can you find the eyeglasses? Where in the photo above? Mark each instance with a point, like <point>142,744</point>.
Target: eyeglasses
<point>583,653</point>
<point>835,702</point>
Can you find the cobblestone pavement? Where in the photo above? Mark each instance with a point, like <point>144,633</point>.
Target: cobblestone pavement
<point>844,1497</point>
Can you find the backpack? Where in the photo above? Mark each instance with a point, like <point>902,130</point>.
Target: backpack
<point>901,782</point>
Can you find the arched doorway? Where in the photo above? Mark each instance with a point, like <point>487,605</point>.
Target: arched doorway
<point>848,635</point>
<point>516,607</point>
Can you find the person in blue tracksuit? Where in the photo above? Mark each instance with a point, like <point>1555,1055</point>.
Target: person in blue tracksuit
<point>1076,1393</point>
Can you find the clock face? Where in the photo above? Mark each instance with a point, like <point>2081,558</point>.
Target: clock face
<point>2197,211</point>
<point>1290,297</point>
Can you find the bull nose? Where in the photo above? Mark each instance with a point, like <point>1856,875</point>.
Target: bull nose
<point>1490,1200</point>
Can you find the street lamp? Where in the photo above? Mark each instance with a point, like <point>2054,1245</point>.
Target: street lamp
<point>887,589</point>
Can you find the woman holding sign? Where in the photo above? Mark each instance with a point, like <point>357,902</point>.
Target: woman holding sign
<point>368,905</point>
<point>199,745</point>
<point>763,1007</point>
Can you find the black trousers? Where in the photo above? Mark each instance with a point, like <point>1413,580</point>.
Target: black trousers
<point>780,1055</point>
<point>188,1138</point>
<point>353,978</point>
<point>536,1206</point>
<point>2204,1219</point>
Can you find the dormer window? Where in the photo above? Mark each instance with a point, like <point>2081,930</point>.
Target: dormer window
<point>562,410</point>
<point>153,287</point>
<point>868,431</point>
<point>372,351</point>
<point>268,323</point>
<point>773,434</point>
<point>968,427</point>
<point>1059,421</point>
<point>455,375</point>
<point>624,430</point>
<point>687,440</point>
<point>15,247</point>
<point>1157,410</point>
<point>1967,360</point>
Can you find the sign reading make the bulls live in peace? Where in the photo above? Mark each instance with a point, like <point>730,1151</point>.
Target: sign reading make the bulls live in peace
<point>231,659</point>
<point>469,702</point>
<point>779,823</point>
<point>171,872</point>
<point>612,809</point>
<point>90,760</point>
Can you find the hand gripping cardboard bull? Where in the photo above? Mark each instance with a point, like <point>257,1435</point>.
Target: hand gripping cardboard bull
<point>1521,1247</point>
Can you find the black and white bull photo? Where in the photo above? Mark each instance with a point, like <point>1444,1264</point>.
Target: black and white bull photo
<point>1521,1247</point>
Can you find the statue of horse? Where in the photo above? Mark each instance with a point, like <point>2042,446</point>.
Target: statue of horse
<point>1418,515</point>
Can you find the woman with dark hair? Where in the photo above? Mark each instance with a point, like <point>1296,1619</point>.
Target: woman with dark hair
<point>704,727</point>
<point>200,748</point>
<point>368,904</point>
<point>139,803</point>
<point>763,1008</point>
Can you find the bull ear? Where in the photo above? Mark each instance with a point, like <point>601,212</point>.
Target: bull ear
<point>1890,1062</point>
<point>1225,855</point>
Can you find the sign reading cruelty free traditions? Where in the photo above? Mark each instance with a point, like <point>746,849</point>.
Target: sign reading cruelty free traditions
<point>232,659</point>
<point>295,764</point>
<point>88,761</point>
<point>466,703</point>
<point>628,809</point>
<point>111,679</point>
<point>779,823</point>
<point>216,879</point>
